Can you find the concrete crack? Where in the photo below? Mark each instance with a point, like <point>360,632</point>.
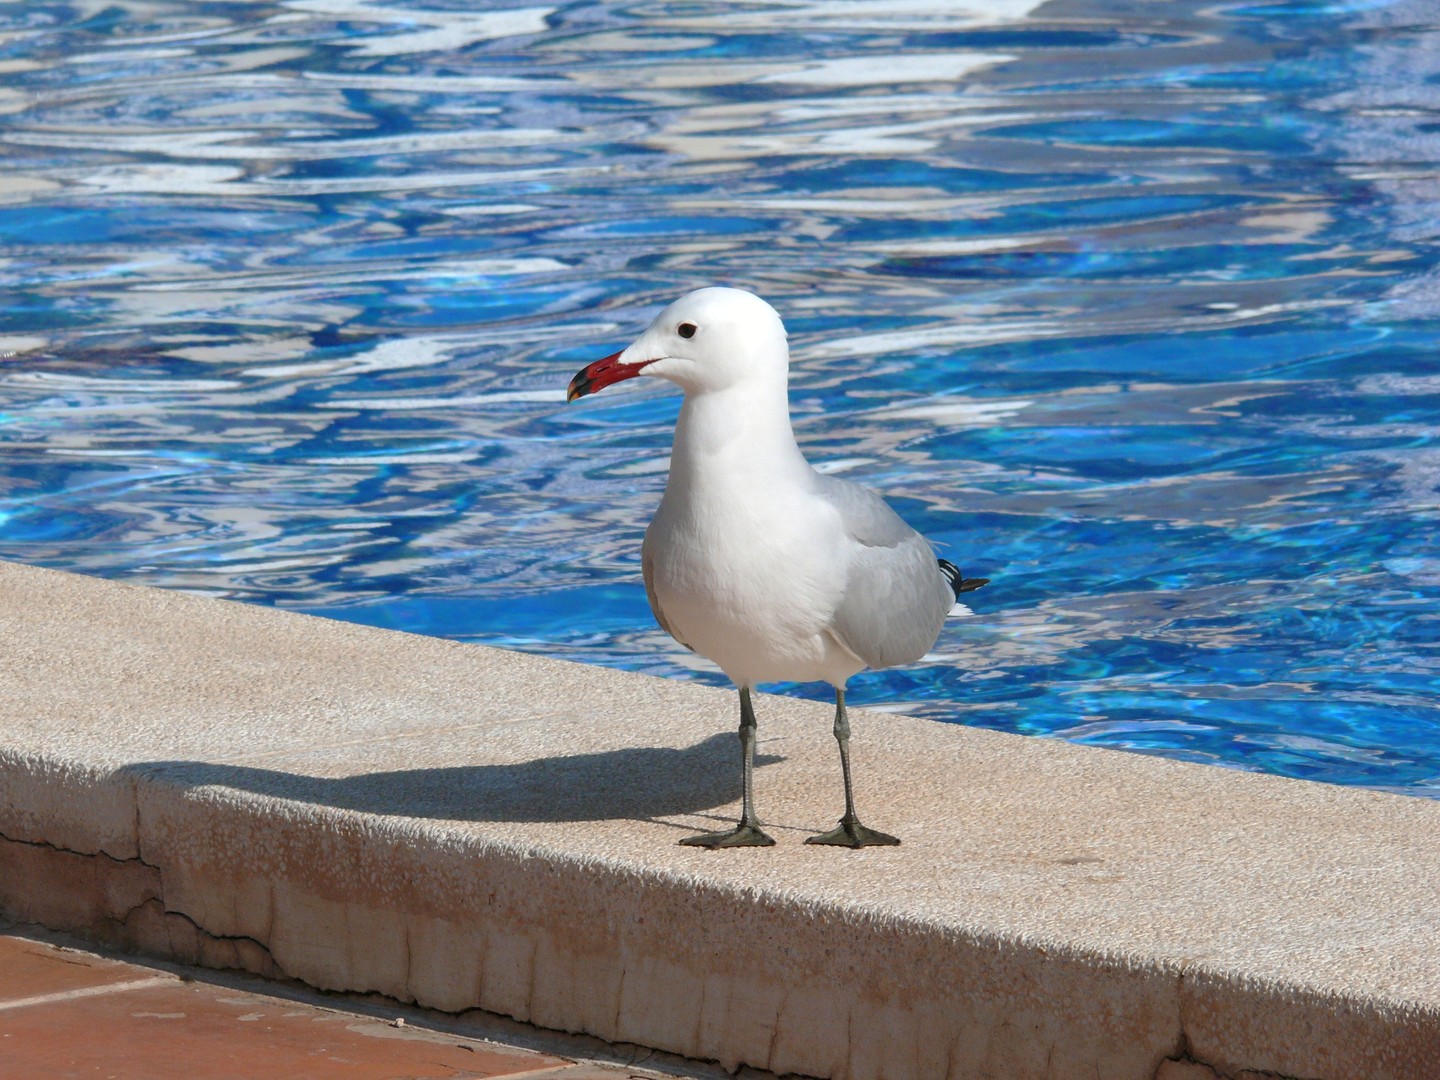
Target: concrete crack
<point>118,903</point>
<point>210,934</point>
<point>48,846</point>
<point>775,1035</point>
<point>619,998</point>
<point>135,817</point>
<point>409,976</point>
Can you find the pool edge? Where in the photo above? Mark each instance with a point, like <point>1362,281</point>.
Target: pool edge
<point>614,935</point>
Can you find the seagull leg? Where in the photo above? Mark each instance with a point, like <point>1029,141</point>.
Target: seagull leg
<point>748,833</point>
<point>851,833</point>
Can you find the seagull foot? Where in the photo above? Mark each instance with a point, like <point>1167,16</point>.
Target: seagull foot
<point>852,834</point>
<point>741,836</point>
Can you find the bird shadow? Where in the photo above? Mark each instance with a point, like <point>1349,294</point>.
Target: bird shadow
<point>639,783</point>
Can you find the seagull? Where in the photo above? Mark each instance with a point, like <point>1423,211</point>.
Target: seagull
<point>754,560</point>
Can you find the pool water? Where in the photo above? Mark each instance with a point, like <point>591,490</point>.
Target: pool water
<point>1130,307</point>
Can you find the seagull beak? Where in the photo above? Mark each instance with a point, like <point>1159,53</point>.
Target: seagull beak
<point>603,373</point>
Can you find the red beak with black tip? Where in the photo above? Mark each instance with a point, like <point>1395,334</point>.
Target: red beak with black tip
<point>602,373</point>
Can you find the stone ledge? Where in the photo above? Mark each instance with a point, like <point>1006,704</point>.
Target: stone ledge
<point>464,827</point>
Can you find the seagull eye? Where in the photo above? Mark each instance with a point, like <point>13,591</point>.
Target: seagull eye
<point>687,329</point>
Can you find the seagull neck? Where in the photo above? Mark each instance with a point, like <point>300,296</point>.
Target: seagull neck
<point>737,427</point>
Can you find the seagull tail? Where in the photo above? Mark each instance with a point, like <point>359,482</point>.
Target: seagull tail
<point>958,581</point>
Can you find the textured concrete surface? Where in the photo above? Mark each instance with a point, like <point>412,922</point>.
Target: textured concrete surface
<point>464,827</point>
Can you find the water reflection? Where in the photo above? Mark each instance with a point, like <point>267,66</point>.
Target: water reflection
<point>1131,312</point>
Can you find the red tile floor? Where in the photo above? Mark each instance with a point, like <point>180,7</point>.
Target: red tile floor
<point>69,1013</point>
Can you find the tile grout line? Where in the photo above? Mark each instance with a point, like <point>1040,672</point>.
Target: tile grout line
<point>88,991</point>
<point>545,1070</point>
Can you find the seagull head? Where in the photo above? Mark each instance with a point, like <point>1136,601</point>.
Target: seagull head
<point>710,339</point>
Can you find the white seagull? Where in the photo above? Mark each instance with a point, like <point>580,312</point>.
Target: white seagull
<point>756,561</point>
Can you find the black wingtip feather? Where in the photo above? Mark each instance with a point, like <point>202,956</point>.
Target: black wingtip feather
<point>958,581</point>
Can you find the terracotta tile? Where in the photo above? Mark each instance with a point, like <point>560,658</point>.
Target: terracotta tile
<point>33,969</point>
<point>186,1030</point>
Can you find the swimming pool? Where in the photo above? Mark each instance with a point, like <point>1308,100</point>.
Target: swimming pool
<point>1130,308</point>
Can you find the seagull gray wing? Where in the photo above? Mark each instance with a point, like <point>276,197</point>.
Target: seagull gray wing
<point>895,598</point>
<point>647,570</point>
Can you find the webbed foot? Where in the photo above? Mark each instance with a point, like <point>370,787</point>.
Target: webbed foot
<point>852,834</point>
<point>742,835</point>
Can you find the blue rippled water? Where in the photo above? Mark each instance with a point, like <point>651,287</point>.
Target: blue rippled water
<point>1131,307</point>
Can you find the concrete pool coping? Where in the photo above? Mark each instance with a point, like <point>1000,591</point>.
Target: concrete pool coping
<point>464,827</point>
